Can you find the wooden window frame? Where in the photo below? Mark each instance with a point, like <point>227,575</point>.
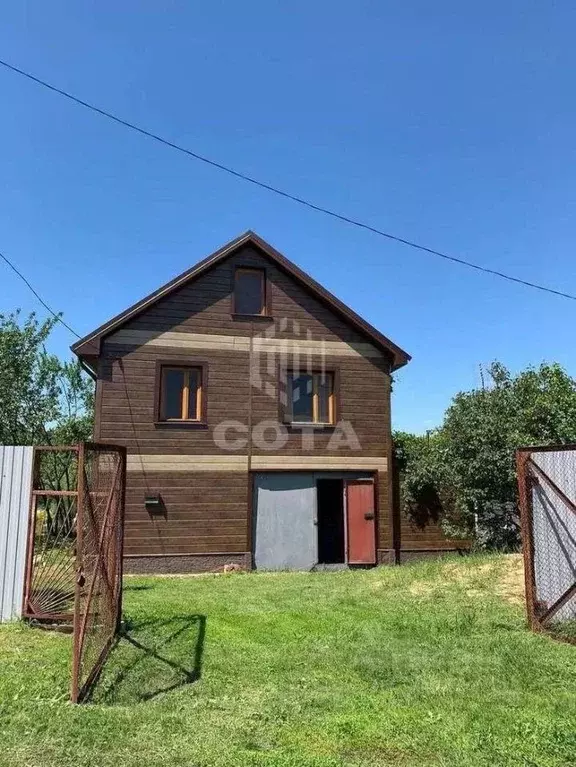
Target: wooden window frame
<point>181,423</point>
<point>265,314</point>
<point>285,409</point>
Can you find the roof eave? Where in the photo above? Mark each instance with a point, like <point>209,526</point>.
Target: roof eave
<point>107,327</point>
<point>90,345</point>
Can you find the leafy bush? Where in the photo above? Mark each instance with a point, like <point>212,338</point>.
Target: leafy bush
<point>464,472</point>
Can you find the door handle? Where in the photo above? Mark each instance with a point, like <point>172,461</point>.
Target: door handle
<point>369,515</point>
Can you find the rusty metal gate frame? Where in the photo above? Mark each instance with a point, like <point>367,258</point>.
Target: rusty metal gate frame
<point>43,577</point>
<point>87,568</point>
<point>529,474</point>
<point>100,535</point>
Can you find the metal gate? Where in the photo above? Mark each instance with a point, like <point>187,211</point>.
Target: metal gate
<point>547,499</point>
<point>51,550</point>
<point>74,556</point>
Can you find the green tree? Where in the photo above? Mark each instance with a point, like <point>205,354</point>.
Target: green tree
<point>75,420</point>
<point>28,391</point>
<point>42,400</point>
<point>468,464</point>
<point>482,430</point>
<point>418,461</point>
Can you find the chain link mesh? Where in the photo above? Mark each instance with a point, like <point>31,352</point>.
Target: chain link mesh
<point>547,484</point>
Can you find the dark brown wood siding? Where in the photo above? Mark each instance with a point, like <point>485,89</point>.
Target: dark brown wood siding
<point>207,511</point>
<point>428,538</point>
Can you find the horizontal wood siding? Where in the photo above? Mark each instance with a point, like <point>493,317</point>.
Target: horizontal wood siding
<point>127,408</point>
<point>431,536</point>
<point>205,511</point>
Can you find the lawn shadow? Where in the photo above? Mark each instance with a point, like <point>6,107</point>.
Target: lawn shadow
<point>152,657</point>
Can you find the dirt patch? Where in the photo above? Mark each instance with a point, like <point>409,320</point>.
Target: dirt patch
<point>423,588</point>
<point>503,577</point>
<point>510,584</point>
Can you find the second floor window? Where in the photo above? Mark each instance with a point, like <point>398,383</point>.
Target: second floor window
<point>249,291</point>
<point>311,397</point>
<point>180,394</point>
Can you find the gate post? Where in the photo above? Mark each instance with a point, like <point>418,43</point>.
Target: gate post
<point>31,534</point>
<point>120,533</point>
<point>77,648</point>
<point>525,483</point>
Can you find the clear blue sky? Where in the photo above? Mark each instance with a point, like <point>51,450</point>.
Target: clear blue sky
<point>450,123</point>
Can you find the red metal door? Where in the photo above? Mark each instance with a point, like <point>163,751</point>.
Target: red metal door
<point>361,522</point>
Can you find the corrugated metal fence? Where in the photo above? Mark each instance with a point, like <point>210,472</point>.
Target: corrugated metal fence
<point>15,489</point>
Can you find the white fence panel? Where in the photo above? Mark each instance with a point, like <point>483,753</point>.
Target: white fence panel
<point>15,489</point>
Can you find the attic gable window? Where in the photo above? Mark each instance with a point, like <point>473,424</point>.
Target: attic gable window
<point>249,291</point>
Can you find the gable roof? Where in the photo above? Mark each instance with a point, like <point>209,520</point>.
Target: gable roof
<point>89,346</point>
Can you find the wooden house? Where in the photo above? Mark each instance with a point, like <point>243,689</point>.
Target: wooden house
<point>255,409</point>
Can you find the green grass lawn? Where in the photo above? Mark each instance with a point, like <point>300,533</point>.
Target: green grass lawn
<point>428,664</point>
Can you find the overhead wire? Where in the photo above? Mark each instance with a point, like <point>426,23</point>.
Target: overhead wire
<point>281,192</point>
<point>56,315</point>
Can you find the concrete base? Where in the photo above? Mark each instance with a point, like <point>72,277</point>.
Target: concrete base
<point>386,557</point>
<point>187,563</point>
<point>211,563</point>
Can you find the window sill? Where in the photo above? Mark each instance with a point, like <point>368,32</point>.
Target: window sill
<point>301,425</point>
<point>180,425</point>
<point>252,317</point>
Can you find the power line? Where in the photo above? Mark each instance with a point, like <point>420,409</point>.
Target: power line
<point>38,296</point>
<point>280,192</point>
